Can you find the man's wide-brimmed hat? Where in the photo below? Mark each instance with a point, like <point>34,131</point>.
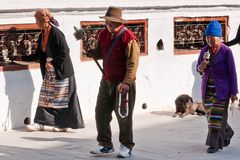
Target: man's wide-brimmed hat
<point>113,14</point>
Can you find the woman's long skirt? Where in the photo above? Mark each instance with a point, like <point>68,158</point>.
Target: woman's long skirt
<point>219,132</point>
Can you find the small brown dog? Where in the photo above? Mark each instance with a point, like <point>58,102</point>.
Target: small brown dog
<point>185,106</point>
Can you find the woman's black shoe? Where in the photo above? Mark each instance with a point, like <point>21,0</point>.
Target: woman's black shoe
<point>227,141</point>
<point>212,149</point>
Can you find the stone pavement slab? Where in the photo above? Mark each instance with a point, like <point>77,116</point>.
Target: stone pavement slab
<point>157,135</point>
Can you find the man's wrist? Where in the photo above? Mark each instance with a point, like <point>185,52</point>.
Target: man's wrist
<point>126,83</point>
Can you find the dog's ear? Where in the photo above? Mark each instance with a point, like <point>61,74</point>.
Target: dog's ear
<point>180,103</point>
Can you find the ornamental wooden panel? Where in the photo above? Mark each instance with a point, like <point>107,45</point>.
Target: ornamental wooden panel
<point>16,41</point>
<point>92,28</point>
<point>189,34</point>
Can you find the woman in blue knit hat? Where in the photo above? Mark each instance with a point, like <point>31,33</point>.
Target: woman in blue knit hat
<point>219,85</point>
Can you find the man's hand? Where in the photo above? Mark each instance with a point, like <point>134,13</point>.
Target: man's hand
<point>123,88</point>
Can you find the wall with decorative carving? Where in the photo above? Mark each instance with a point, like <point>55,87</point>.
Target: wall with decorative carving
<point>17,42</point>
<point>92,29</point>
<point>189,34</point>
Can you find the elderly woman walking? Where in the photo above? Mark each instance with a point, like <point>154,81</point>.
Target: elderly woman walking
<point>58,106</point>
<point>219,85</point>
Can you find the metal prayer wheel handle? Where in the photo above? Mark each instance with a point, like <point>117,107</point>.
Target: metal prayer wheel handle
<point>80,33</point>
<point>125,103</point>
<point>206,55</point>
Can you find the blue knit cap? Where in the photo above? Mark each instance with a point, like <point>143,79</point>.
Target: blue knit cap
<point>214,28</point>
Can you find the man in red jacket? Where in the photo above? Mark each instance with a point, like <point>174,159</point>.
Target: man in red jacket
<point>119,49</point>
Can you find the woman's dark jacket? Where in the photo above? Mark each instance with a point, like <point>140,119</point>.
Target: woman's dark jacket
<point>58,49</point>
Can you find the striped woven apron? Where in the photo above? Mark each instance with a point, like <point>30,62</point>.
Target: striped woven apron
<point>213,107</point>
<point>54,93</point>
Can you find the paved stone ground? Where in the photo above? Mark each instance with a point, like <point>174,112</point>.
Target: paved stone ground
<point>158,136</point>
